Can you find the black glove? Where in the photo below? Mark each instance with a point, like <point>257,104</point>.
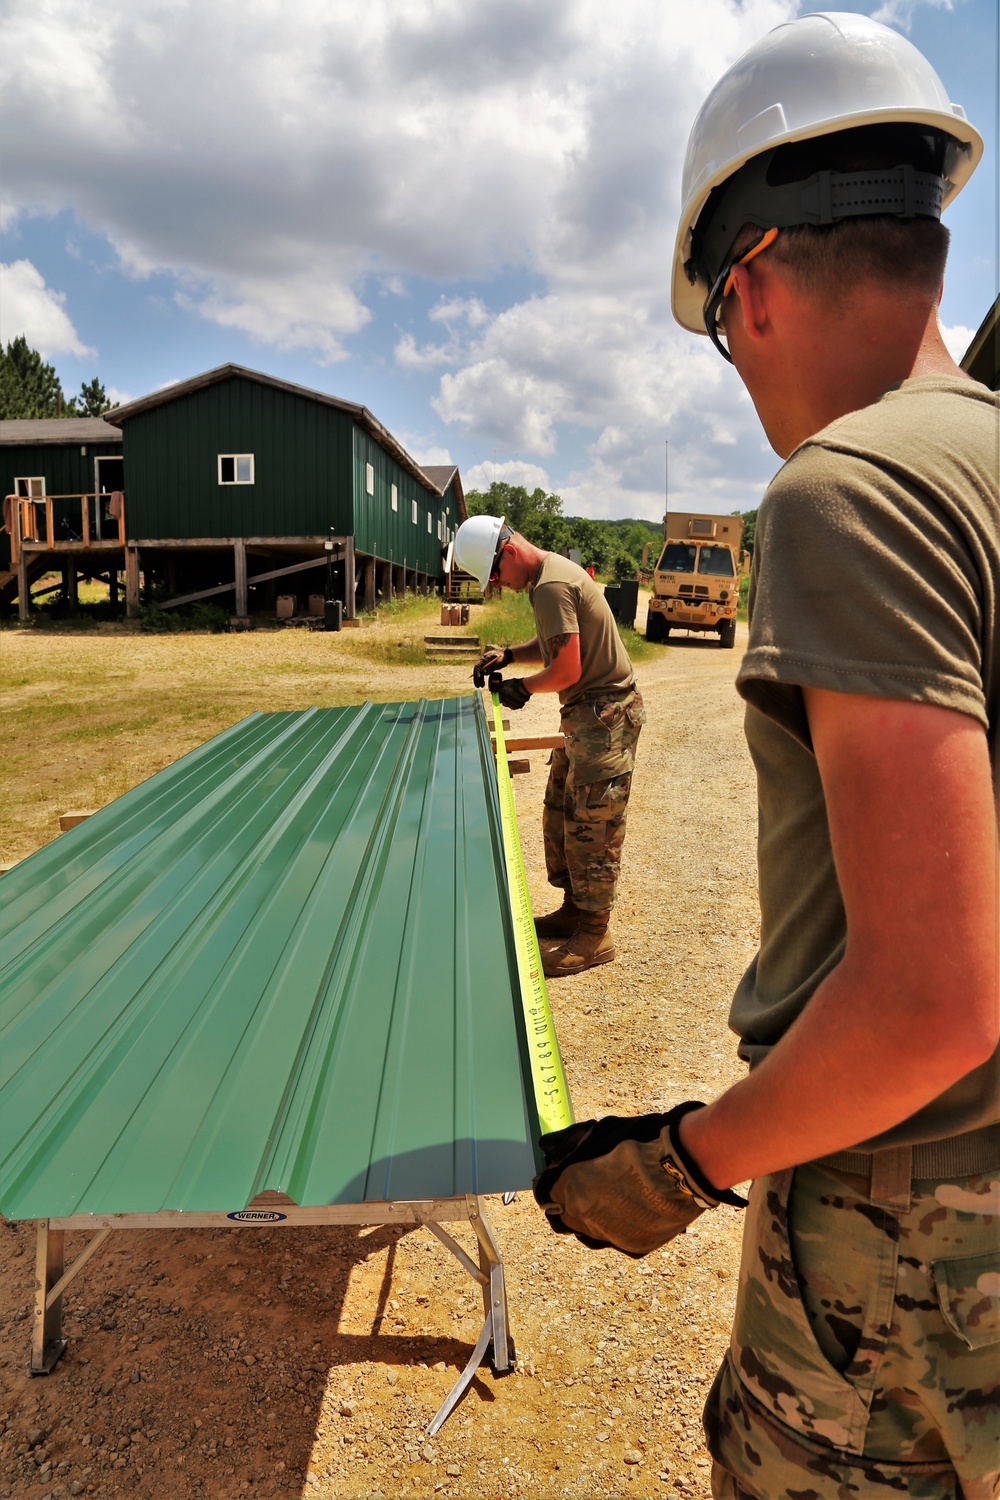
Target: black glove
<point>624,1184</point>
<point>513,693</point>
<point>493,659</point>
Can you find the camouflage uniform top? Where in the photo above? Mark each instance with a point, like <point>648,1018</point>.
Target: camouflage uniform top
<point>876,571</point>
<point>566,601</point>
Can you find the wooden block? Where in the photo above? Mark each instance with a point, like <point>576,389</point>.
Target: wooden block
<point>536,742</point>
<point>519,767</point>
<point>70,819</point>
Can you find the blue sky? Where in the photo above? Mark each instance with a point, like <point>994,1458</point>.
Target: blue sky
<point>458,212</point>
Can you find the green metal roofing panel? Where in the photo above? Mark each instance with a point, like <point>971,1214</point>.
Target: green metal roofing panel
<point>285,962</point>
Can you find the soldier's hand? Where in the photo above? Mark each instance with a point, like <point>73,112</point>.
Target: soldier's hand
<point>493,659</point>
<point>624,1184</point>
<point>513,693</point>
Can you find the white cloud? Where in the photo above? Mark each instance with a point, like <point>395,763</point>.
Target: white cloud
<point>29,307</point>
<point>299,312</point>
<point>414,356</point>
<point>514,471</point>
<point>957,340</point>
<point>425,452</point>
<point>901,12</point>
<point>118,397</point>
<point>461,310</point>
<point>277,171</point>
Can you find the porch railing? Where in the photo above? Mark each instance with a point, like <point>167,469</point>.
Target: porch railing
<point>29,510</point>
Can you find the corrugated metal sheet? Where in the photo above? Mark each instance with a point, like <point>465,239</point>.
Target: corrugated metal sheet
<point>285,963</point>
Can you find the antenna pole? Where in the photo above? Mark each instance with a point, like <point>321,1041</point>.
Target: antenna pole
<point>666,475</point>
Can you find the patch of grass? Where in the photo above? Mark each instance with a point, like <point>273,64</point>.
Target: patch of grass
<point>101,730</point>
<point>638,648</point>
<point>505,621</point>
<point>385,651</point>
<point>741,612</point>
<point>412,607</point>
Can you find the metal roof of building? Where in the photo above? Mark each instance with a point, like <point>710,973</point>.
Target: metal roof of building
<point>26,432</point>
<point>284,963</point>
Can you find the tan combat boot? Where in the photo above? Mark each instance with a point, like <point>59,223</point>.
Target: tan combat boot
<point>591,944</point>
<point>560,924</point>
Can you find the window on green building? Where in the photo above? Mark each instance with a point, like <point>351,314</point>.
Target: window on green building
<point>236,468</point>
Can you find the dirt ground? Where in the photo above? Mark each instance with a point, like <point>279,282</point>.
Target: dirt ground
<point>308,1362</point>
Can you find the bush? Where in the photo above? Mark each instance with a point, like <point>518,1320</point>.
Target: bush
<point>198,616</point>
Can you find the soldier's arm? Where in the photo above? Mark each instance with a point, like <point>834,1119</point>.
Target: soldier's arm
<point>914,1004</point>
<point>564,666</point>
<point>527,652</point>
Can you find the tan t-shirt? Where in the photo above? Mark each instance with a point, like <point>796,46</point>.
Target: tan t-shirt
<point>876,570</point>
<point>567,601</point>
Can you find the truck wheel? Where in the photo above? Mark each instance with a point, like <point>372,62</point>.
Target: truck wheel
<point>654,626</point>
<point>727,634</point>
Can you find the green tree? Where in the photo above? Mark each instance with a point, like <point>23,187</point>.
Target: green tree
<point>92,400</point>
<point>749,528</point>
<point>28,386</point>
<point>535,516</point>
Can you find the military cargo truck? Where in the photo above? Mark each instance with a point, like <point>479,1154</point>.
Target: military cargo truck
<point>696,582</point>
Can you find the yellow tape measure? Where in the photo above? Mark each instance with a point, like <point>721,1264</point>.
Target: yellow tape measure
<point>548,1079</point>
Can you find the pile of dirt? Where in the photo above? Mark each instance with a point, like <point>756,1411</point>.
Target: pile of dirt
<point>308,1362</point>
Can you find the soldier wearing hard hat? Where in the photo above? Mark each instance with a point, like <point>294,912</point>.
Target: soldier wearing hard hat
<point>865,1354</point>
<point>581,656</point>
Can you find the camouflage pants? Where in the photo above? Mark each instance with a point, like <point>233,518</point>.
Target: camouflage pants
<point>865,1357</point>
<point>583,819</point>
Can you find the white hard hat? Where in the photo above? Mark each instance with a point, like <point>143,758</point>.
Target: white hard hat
<point>815,76</point>
<point>476,546</point>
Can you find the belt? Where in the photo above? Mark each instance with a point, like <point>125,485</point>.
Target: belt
<point>606,695</point>
<point>955,1156</point>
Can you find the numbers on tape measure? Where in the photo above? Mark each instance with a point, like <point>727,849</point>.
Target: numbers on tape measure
<point>548,1079</point>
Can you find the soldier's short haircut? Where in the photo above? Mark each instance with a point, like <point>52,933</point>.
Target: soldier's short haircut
<point>830,261</point>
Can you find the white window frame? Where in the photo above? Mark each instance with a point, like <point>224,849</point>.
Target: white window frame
<point>394,497</point>
<point>29,480</point>
<point>236,458</point>
<point>413,512</point>
<point>370,479</point>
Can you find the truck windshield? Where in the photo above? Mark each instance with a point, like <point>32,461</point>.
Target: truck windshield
<point>677,557</point>
<point>716,560</point>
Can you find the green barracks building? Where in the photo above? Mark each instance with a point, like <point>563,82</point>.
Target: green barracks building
<point>231,485</point>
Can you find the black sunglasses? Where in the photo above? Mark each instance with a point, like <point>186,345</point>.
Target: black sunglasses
<point>505,535</point>
<point>722,286</point>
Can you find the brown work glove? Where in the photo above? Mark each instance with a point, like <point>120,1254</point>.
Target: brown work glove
<point>624,1184</point>
<point>493,659</point>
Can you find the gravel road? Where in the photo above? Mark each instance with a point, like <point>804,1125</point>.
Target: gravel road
<point>308,1362</point>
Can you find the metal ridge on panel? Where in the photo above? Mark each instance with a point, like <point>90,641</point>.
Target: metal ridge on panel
<point>284,963</point>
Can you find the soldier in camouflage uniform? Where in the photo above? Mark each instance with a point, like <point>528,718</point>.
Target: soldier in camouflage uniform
<point>582,658</point>
<point>586,799</point>
<point>865,1354</point>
